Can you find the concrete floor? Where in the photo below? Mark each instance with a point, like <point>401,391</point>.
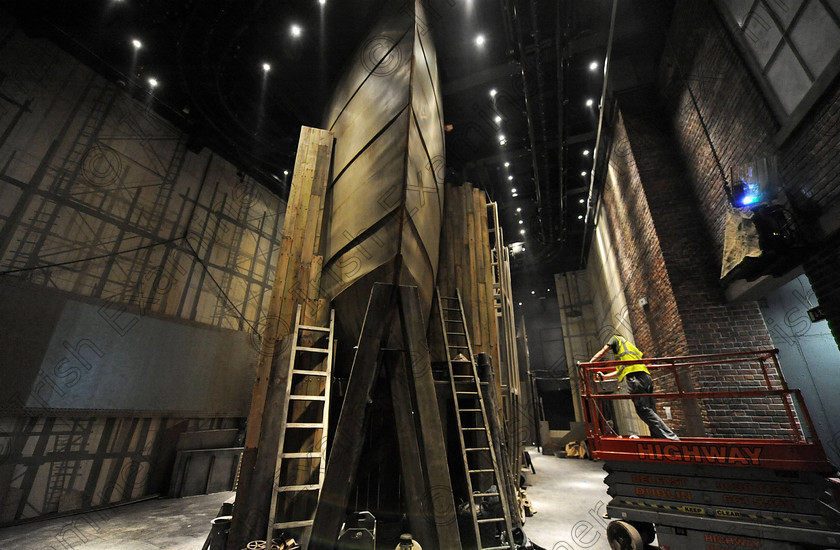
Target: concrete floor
<point>570,497</point>
<point>160,524</point>
<point>568,494</point>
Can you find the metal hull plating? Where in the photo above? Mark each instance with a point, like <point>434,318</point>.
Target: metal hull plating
<point>385,199</point>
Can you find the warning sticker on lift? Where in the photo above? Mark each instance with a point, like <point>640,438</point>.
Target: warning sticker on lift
<point>736,455</point>
<point>715,541</point>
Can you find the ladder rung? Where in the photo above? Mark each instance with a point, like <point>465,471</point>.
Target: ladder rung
<point>314,350</point>
<point>452,309</point>
<point>290,488</point>
<point>472,429</point>
<point>491,520</point>
<point>470,410</point>
<point>448,297</point>
<point>467,392</point>
<point>293,524</point>
<point>507,547</point>
<point>485,494</point>
<point>301,455</point>
<point>484,471</point>
<point>456,334</point>
<point>463,376</point>
<point>318,329</point>
<point>307,398</point>
<point>477,449</point>
<point>305,425</point>
<point>460,347</point>
<point>309,372</point>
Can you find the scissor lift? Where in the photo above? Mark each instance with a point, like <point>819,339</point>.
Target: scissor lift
<point>715,493</point>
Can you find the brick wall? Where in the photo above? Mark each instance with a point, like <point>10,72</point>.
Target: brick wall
<point>666,255</point>
<point>702,55</point>
<point>657,328</point>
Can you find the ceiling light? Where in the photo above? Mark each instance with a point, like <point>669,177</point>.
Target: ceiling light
<point>580,217</point>
<point>498,119</point>
<point>285,172</point>
<point>583,173</point>
<point>510,178</point>
<point>519,209</point>
<point>507,165</point>
<point>480,40</point>
<point>533,292</point>
<point>586,152</point>
<point>296,30</point>
<point>322,2</point>
<point>137,44</point>
<point>493,92</point>
<point>590,102</point>
<point>520,303</point>
<point>515,195</point>
<point>581,201</point>
<point>593,66</point>
<point>521,231</point>
<point>521,222</point>
<point>153,82</point>
<point>266,67</point>
<point>513,190</point>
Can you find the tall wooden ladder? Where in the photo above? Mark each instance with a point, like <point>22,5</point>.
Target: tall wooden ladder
<point>473,427</point>
<point>302,450</point>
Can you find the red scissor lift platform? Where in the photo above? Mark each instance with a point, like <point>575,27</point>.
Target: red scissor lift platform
<point>715,493</point>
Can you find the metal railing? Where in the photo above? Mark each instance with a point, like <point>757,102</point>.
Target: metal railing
<point>774,386</point>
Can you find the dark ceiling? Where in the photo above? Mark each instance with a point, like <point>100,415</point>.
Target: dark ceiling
<point>208,55</point>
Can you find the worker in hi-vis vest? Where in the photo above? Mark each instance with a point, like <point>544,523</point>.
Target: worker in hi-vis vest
<point>638,381</point>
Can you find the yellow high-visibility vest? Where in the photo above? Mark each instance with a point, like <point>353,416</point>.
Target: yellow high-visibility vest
<point>626,352</point>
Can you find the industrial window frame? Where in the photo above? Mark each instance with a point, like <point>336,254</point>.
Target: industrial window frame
<point>788,120</point>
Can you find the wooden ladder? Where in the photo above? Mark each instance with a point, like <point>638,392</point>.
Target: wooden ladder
<point>298,396</point>
<point>470,410</point>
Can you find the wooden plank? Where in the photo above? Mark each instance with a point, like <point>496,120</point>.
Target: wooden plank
<point>439,497</point>
<point>311,159</point>
<point>347,445</point>
<point>420,516</point>
<point>252,512</point>
<point>468,287</point>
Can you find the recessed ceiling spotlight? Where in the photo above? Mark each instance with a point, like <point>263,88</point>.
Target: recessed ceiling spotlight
<point>285,172</point>
<point>493,92</point>
<point>153,82</point>
<point>593,66</point>
<point>533,292</point>
<point>520,303</point>
<point>322,2</point>
<point>498,119</point>
<point>510,178</point>
<point>519,209</point>
<point>590,102</point>
<point>480,40</point>
<point>521,222</point>
<point>137,44</point>
<point>586,152</point>
<point>296,30</point>
<point>581,201</point>
<point>515,195</point>
<point>583,173</point>
<point>507,165</point>
<point>266,67</point>
<point>513,190</point>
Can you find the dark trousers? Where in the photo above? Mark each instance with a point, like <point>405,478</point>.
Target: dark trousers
<point>641,382</point>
